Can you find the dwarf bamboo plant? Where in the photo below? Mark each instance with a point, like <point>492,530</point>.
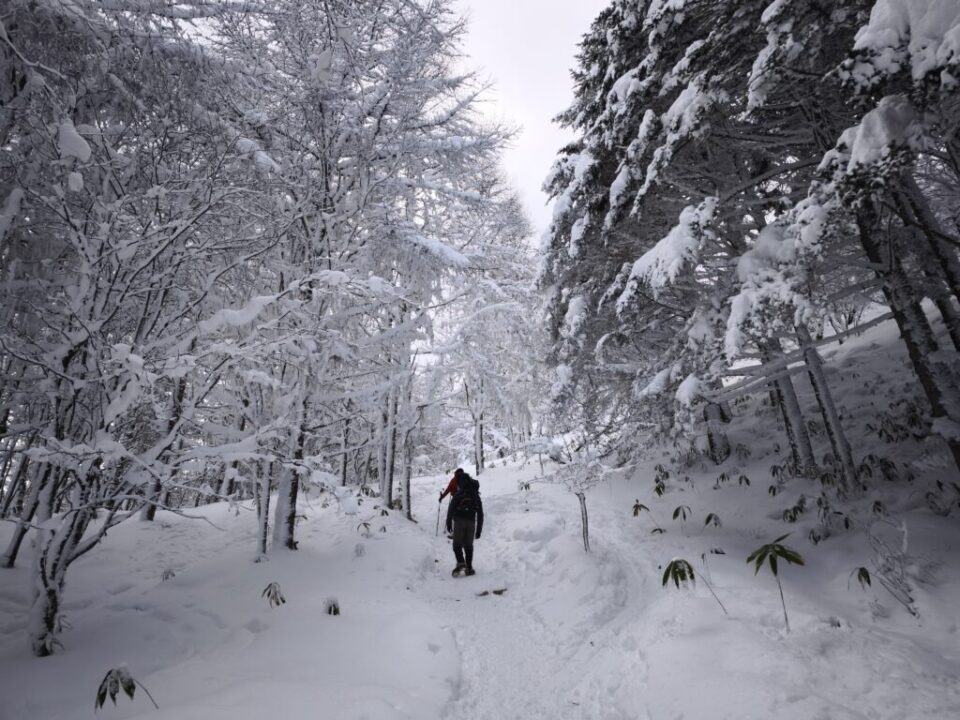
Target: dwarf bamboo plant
<point>770,553</point>
<point>117,679</point>
<point>681,571</point>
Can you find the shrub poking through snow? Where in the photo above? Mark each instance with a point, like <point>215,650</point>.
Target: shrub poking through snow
<point>792,514</point>
<point>168,574</point>
<point>680,571</point>
<point>660,480</point>
<point>682,512</point>
<point>117,679</point>
<point>944,498</point>
<point>639,507</point>
<point>863,577</point>
<point>331,606</point>
<point>770,552</point>
<point>712,519</point>
<point>273,595</point>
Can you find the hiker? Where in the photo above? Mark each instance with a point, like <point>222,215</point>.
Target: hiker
<point>452,485</point>
<point>465,521</point>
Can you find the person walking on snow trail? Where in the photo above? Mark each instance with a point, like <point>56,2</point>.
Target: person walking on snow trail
<point>452,485</point>
<point>451,491</point>
<point>465,521</point>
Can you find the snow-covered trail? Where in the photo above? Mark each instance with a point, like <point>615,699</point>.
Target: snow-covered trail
<point>572,634</point>
<point>595,635</point>
<point>538,628</point>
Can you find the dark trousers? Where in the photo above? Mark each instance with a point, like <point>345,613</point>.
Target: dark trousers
<point>463,530</point>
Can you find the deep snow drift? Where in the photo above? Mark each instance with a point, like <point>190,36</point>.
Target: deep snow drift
<point>544,630</point>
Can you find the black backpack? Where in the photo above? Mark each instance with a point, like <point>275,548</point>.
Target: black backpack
<point>467,498</point>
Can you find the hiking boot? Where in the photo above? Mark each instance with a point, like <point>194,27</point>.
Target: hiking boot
<point>458,569</point>
<point>469,571</point>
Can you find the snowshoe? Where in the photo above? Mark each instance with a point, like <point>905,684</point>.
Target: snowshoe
<point>458,570</point>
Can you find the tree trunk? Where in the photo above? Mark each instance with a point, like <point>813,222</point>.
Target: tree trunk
<point>478,447</point>
<point>16,488</point>
<point>263,511</point>
<point>939,245</point>
<point>407,473</point>
<point>364,472</point>
<point>285,524</point>
<point>831,419</point>
<point>796,429</point>
<point>477,416</point>
<point>940,265</point>
<point>385,487</point>
<point>583,520</point>
<point>30,506</point>
<point>917,335</point>
<point>154,496</point>
<point>344,443</point>
<point>7,490</point>
<point>231,482</point>
<point>481,460</point>
<point>153,499</point>
<point>717,439</point>
<point>55,552</point>
<point>392,447</point>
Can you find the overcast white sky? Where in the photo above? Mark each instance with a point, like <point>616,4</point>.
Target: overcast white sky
<point>527,48</point>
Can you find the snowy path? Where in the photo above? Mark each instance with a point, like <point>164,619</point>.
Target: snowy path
<point>549,645</point>
<point>595,636</point>
<point>576,635</point>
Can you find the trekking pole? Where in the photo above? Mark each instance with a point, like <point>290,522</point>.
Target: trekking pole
<point>439,505</point>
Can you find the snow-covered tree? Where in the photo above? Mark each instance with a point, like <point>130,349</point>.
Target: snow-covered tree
<point>700,217</point>
<point>224,234</point>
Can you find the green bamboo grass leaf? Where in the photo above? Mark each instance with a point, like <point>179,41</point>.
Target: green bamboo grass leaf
<point>680,571</point>
<point>772,552</point>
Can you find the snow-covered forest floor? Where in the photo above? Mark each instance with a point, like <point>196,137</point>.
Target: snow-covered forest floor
<point>544,629</point>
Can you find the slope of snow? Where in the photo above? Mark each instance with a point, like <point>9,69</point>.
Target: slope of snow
<point>544,629</point>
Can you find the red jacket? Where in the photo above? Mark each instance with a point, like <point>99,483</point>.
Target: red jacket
<point>451,487</point>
